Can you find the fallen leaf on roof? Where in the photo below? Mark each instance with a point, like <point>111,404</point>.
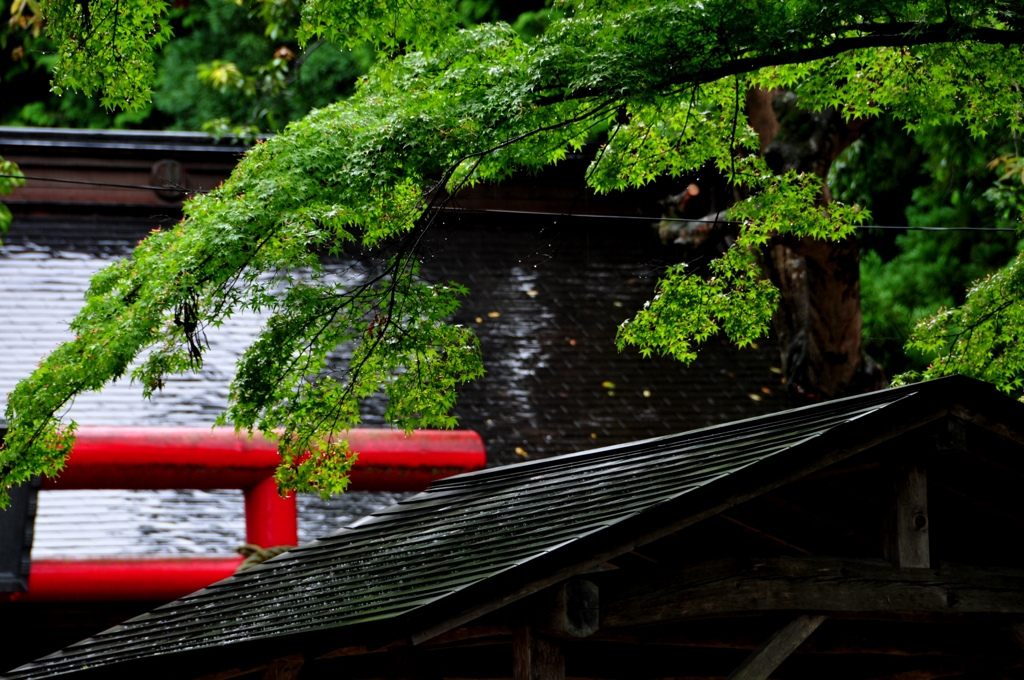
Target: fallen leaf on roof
<point>493,315</point>
<point>531,293</point>
<point>754,397</point>
<point>479,319</point>
<point>647,393</point>
<point>617,303</point>
<point>520,451</point>
<point>766,390</point>
<point>775,369</point>
<point>593,435</point>
<point>608,385</point>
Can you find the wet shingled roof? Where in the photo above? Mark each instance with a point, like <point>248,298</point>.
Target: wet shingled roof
<point>464,531</point>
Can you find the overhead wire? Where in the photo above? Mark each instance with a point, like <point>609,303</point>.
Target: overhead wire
<point>150,187</point>
<point>647,218</point>
<point>534,213</point>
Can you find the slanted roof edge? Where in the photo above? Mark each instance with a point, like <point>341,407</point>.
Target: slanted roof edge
<point>807,457</point>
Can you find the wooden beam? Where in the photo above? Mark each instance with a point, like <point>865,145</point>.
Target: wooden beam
<point>285,668</point>
<point>535,658</point>
<point>471,633</point>
<point>827,586</point>
<point>1016,631</point>
<point>411,664</point>
<point>871,637</point>
<point>782,543</point>
<point>763,661</point>
<point>232,673</point>
<point>981,505</point>
<point>906,542</point>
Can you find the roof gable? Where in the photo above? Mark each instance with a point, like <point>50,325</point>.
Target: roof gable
<point>473,543</point>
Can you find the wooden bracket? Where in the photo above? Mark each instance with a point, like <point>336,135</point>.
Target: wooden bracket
<point>535,658</point>
<point>576,609</point>
<point>906,522</point>
<point>763,661</point>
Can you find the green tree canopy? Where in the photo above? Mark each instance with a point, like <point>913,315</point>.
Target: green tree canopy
<point>444,107</point>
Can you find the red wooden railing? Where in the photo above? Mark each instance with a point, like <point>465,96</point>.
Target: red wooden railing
<point>200,458</point>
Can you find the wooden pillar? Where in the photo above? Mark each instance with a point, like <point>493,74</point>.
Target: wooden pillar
<point>763,661</point>
<point>906,522</point>
<point>535,658</point>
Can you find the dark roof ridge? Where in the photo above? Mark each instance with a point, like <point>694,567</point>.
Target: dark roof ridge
<point>28,137</point>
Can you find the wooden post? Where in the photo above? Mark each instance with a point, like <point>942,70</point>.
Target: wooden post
<point>763,661</point>
<point>534,658</point>
<point>906,523</point>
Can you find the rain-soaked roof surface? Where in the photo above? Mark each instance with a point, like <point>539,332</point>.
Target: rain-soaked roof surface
<point>466,530</point>
<point>545,301</point>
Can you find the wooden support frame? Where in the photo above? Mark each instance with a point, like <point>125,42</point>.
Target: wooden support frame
<point>830,586</point>
<point>535,657</point>
<point>763,661</point>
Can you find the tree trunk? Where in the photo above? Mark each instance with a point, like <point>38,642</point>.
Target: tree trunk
<point>818,323</point>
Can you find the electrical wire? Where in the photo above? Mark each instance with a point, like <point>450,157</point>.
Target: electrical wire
<point>88,183</point>
<point>693,220</point>
<point>534,213</point>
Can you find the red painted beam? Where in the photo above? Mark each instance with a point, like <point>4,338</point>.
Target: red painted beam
<point>391,461</point>
<point>121,580</point>
<point>165,458</point>
<point>201,458</point>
